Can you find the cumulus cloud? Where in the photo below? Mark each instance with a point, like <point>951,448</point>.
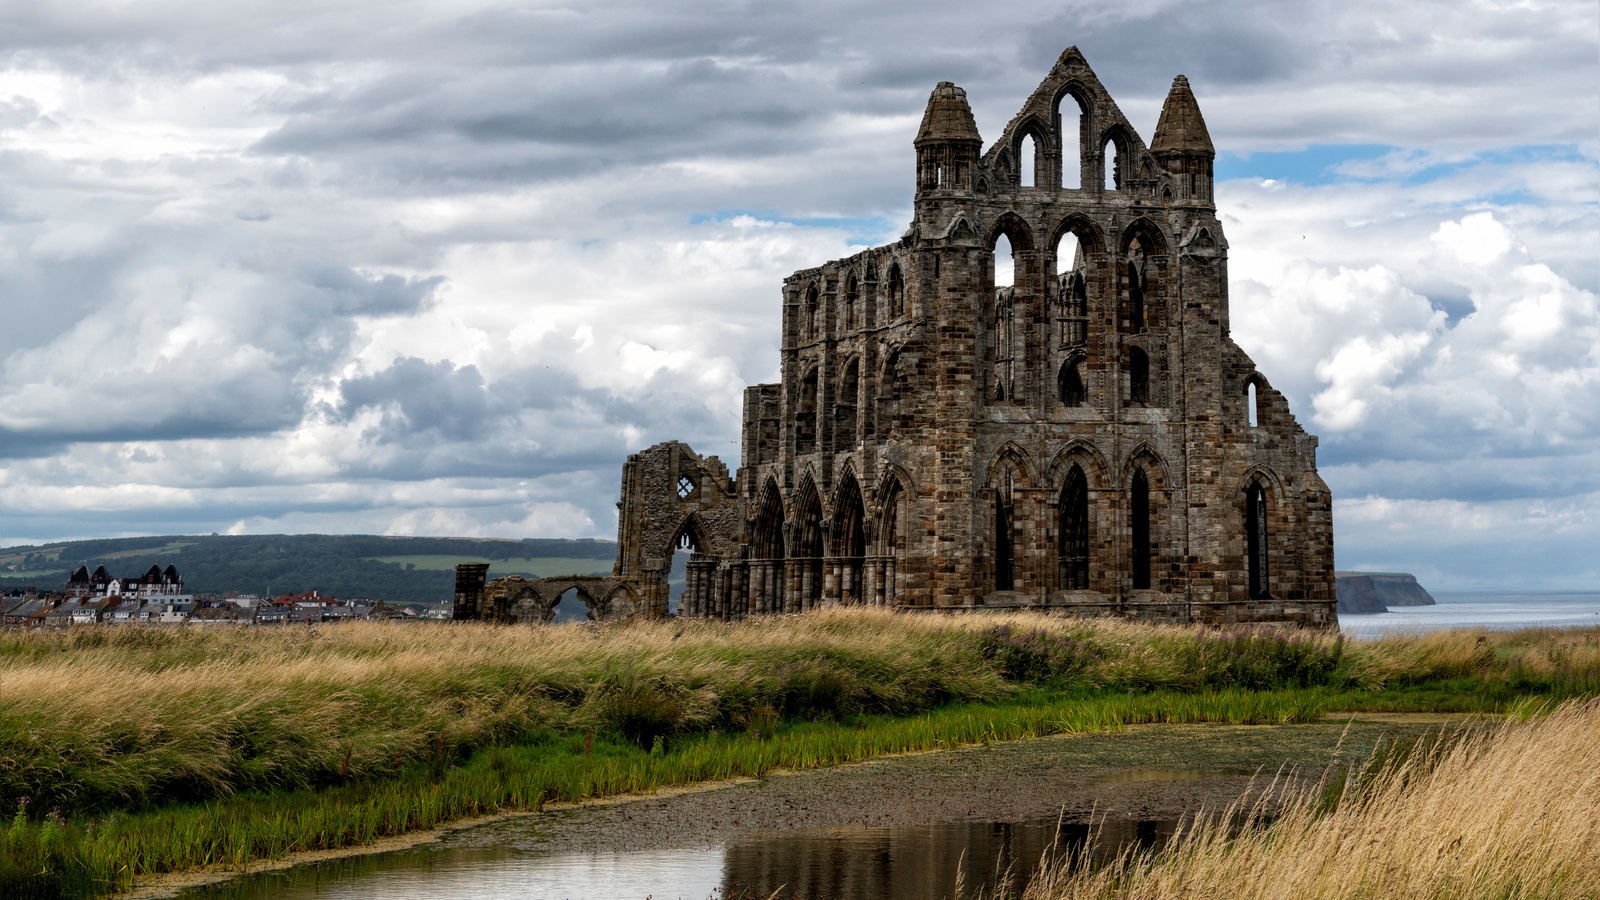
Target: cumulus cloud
<point>265,266</point>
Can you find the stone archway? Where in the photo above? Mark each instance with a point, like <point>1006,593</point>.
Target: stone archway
<point>534,601</point>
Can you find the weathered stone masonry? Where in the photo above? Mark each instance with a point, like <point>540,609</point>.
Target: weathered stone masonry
<point>1090,441</point>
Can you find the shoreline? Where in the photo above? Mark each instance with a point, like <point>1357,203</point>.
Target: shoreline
<point>168,885</point>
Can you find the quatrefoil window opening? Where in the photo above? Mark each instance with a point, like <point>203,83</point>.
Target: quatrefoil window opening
<point>685,487</point>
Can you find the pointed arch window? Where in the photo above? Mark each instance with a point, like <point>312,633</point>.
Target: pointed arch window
<point>808,547</point>
<point>1138,375</point>
<point>767,536</point>
<point>849,541</point>
<point>1070,115</point>
<point>1028,162</point>
<point>1072,551</point>
<point>890,533</point>
<point>1139,520</point>
<point>1137,273</point>
<point>888,395</point>
<point>1002,341</point>
<point>805,421</point>
<point>1004,541</point>
<point>1112,156</point>
<point>1256,545</point>
<point>1072,290</point>
<point>1069,384</point>
<point>845,409</point>
<point>897,292</point>
<point>851,302</point>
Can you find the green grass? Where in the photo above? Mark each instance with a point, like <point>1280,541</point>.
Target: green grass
<point>89,858</point>
<point>538,566</point>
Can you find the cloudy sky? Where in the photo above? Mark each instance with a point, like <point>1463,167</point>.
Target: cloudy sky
<point>436,268</point>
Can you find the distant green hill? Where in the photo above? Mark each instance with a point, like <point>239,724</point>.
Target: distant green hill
<point>397,569</point>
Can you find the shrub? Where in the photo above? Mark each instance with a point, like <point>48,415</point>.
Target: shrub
<point>1038,656</point>
<point>1258,658</point>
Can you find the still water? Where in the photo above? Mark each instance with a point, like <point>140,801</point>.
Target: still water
<point>1473,609</point>
<point>855,863</point>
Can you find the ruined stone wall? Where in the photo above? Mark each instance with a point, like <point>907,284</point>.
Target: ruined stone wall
<point>927,443</point>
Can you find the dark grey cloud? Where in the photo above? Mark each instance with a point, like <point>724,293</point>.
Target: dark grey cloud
<point>385,295</point>
<point>419,397</point>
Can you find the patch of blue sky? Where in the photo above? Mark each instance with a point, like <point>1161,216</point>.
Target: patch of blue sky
<point>1320,164</point>
<point>864,229</point>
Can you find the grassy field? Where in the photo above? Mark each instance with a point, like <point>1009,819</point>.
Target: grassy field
<point>146,750</point>
<point>538,567</point>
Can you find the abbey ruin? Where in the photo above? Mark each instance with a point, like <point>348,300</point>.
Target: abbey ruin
<point>1087,439</point>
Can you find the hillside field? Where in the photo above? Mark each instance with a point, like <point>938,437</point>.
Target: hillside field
<point>403,570</point>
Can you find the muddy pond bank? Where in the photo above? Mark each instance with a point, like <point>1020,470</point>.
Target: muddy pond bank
<point>896,827</point>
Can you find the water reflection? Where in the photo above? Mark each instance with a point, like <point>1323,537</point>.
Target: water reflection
<point>895,863</point>
<point>918,862</point>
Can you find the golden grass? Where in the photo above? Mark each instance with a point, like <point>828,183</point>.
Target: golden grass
<point>100,717</point>
<point>1512,812</point>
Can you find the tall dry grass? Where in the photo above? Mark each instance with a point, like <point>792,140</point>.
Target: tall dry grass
<point>113,718</point>
<point>1507,813</point>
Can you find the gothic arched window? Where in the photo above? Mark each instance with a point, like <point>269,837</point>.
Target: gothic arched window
<point>844,426</point>
<point>1138,375</point>
<point>1069,385</point>
<point>1139,516</point>
<point>1255,525</point>
<point>1072,552</point>
<point>805,420</point>
<point>1004,542</point>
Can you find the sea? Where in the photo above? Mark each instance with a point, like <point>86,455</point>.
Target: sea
<point>1497,610</point>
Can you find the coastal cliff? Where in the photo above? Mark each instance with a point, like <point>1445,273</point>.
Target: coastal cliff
<point>1362,593</point>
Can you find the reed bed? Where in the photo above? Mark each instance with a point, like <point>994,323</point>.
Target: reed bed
<point>1508,813</point>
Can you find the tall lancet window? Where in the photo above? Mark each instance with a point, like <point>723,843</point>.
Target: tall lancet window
<point>1138,375</point>
<point>1138,285</point>
<point>1004,571</point>
<point>1073,533</point>
<point>1255,525</point>
<point>1069,384</point>
<point>1139,515</point>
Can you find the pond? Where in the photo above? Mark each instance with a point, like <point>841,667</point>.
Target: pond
<point>907,827</point>
<point>853,863</point>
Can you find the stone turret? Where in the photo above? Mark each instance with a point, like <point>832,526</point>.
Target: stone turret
<point>1183,146</point>
<point>947,142</point>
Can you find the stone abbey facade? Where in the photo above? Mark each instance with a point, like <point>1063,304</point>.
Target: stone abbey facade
<point>1088,439</point>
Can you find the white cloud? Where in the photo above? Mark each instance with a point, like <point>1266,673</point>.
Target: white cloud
<point>268,267</point>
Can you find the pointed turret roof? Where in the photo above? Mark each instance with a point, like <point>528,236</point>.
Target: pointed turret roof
<point>1181,128</point>
<point>948,117</point>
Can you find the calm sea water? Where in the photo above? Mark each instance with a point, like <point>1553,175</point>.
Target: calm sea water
<point>1481,609</point>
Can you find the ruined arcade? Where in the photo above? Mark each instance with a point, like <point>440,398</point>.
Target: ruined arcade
<point>1088,439</point>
